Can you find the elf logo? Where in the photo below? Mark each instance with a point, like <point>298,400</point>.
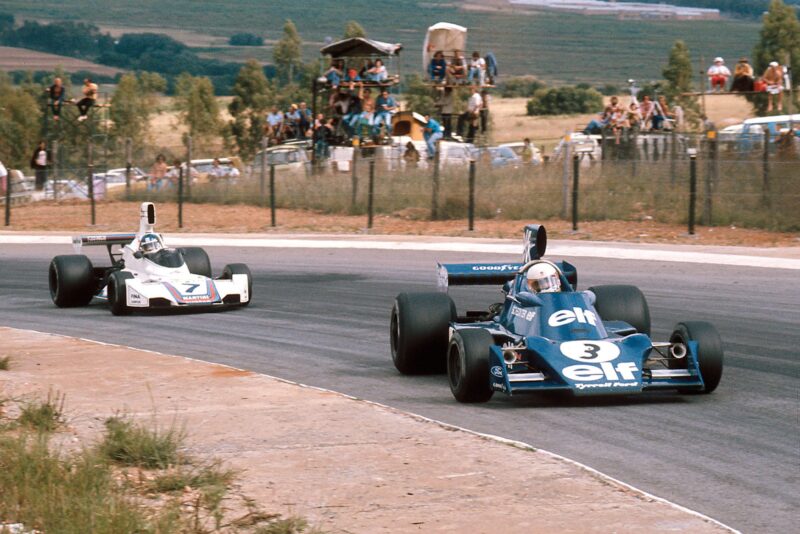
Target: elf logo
<point>607,370</point>
<point>562,317</point>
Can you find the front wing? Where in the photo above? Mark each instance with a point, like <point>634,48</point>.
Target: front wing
<point>205,293</point>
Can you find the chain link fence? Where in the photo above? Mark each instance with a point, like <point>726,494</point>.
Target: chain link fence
<point>754,184</point>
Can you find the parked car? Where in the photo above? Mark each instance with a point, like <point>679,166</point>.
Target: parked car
<point>519,146</point>
<point>291,157</point>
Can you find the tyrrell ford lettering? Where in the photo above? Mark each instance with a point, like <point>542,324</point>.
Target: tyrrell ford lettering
<point>546,335</point>
<point>146,275</point>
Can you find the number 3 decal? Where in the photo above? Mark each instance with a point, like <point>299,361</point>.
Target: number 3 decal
<point>590,351</point>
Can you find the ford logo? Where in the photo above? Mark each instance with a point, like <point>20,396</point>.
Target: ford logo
<point>497,371</point>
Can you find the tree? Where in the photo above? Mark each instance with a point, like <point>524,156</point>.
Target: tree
<point>20,116</point>
<point>252,94</point>
<point>198,108</point>
<point>565,100</point>
<point>287,53</point>
<point>353,29</point>
<point>132,105</point>
<point>779,40</point>
<point>678,74</point>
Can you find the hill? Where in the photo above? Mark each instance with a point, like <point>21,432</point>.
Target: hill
<point>558,48</point>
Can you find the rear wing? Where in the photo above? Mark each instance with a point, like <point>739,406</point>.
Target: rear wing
<point>481,274</point>
<point>107,240</point>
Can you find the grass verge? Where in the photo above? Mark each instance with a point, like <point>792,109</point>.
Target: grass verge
<point>5,363</point>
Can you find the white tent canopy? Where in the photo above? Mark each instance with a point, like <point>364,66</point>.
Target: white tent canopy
<point>445,37</point>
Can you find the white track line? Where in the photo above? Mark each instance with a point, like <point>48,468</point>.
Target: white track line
<point>492,437</point>
<point>558,248</point>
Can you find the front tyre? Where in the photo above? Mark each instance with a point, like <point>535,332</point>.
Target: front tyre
<point>709,351</point>
<point>117,293</point>
<point>468,365</point>
<point>623,303</point>
<point>239,268</point>
<point>71,280</point>
<point>196,260</point>
<point>419,330</point>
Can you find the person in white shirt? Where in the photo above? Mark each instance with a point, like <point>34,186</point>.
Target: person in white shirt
<point>472,115</point>
<point>477,67</point>
<point>3,177</point>
<point>718,75</point>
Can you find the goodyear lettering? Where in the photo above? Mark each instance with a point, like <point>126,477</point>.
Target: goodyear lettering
<point>504,267</point>
<point>564,317</point>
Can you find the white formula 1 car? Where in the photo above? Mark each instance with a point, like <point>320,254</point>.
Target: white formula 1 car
<point>146,275</point>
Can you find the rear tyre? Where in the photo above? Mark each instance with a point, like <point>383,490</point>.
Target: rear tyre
<point>197,261</point>
<point>468,365</point>
<point>117,293</point>
<point>623,303</point>
<point>419,331</point>
<point>709,351</point>
<point>71,280</point>
<point>239,268</point>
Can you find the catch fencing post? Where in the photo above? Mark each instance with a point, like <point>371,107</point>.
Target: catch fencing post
<point>89,150</point>
<point>471,205</point>
<point>692,188</point>
<point>371,191</point>
<point>711,176</point>
<point>263,175</point>
<point>565,178</point>
<point>272,195</point>
<point>435,188</point>
<point>180,197</point>
<point>765,169</point>
<point>8,197</point>
<point>128,165</point>
<point>673,160</point>
<point>188,166</point>
<point>55,170</point>
<point>576,170</point>
<point>354,179</point>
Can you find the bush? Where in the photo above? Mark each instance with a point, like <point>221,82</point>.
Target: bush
<point>128,443</point>
<point>245,39</point>
<point>564,101</point>
<point>520,87</point>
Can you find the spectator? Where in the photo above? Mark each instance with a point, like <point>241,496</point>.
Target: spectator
<point>662,113</point>
<point>157,173</point>
<point>56,95</point>
<point>89,98</point>
<point>633,119</point>
<point>411,155</point>
<point>446,106</point>
<point>292,122</point>
<point>335,73</point>
<point>39,161</point>
<point>457,70</point>
<point>616,120</point>
<point>305,120</point>
<point>173,174</point>
<point>527,151</point>
<point>491,68</point>
<point>437,70</point>
<point>433,132</point>
<point>718,75</point>
<point>275,124</point>
<point>323,135</point>
<point>385,106</point>
<point>596,126</point>
<point>471,116</point>
<point>742,76</point>
<point>646,109</point>
<point>378,72</point>
<point>477,67</point>
<point>773,77</point>
<point>366,68</point>
<point>217,171</point>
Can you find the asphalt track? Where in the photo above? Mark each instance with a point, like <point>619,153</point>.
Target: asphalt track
<point>320,317</point>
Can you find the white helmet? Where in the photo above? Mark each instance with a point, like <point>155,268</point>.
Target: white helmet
<point>543,278</point>
<point>150,243</point>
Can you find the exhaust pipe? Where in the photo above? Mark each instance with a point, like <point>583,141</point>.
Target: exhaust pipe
<point>510,356</point>
<point>677,350</point>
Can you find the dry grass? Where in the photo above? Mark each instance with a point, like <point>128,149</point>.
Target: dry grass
<point>23,59</point>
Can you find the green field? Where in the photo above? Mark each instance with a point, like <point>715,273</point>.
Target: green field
<point>555,47</point>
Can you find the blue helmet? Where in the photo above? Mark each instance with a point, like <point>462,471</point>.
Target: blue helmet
<point>150,243</point>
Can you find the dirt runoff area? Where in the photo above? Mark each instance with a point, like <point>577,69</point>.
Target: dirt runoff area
<point>124,216</point>
<point>346,465</point>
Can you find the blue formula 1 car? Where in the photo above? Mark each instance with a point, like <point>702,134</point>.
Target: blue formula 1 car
<point>546,335</point>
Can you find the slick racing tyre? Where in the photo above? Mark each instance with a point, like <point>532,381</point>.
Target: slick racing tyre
<point>468,365</point>
<point>239,268</point>
<point>117,293</point>
<point>709,351</point>
<point>197,261</point>
<point>623,303</point>
<point>71,280</point>
<point>418,332</point>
